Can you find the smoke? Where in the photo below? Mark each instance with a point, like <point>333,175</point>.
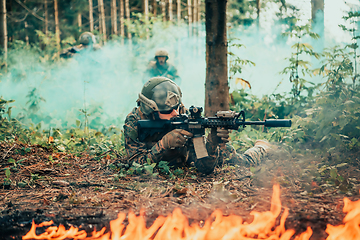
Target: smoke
<point>106,82</point>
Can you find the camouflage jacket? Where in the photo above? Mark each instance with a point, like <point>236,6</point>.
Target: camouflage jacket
<point>156,70</point>
<point>151,150</point>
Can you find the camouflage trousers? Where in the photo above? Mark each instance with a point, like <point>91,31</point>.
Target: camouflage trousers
<point>252,156</point>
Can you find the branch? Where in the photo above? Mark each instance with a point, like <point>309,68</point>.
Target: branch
<point>31,11</point>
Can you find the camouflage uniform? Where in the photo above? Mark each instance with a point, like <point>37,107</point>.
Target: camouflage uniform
<point>167,70</point>
<point>87,43</point>
<point>151,149</point>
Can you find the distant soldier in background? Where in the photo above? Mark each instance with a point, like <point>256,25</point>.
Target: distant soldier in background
<point>87,42</point>
<point>161,68</point>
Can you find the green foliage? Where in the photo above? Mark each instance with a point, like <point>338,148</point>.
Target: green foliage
<point>299,66</point>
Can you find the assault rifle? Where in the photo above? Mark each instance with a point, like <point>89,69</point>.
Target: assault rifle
<point>196,124</point>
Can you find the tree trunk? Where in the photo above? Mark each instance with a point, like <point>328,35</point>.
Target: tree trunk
<point>163,9</point>
<point>91,16</point>
<point>189,16</point>
<point>317,16</point>
<point>57,28</point>
<point>127,11</point>
<point>79,21</point>
<point>258,7</point>
<point>146,15</point>
<point>154,5</point>
<point>199,10</point>
<point>113,17</point>
<point>170,10</point>
<point>46,20</point>
<point>102,19</point>
<point>216,85</point>
<point>195,9</point>
<point>178,10</point>
<point>3,30</point>
<point>122,30</point>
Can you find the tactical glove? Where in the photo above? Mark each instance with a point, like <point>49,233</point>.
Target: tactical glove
<point>175,138</point>
<point>223,134</point>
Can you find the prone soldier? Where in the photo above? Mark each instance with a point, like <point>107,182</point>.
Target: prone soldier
<point>161,98</point>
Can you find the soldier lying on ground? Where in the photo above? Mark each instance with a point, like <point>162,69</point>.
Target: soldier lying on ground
<point>87,42</point>
<point>160,98</point>
<point>161,67</point>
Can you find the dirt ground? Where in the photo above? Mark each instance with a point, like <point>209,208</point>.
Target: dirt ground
<point>82,192</point>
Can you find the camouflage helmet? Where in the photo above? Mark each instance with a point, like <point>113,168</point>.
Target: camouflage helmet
<point>159,94</point>
<point>162,52</point>
<point>87,38</point>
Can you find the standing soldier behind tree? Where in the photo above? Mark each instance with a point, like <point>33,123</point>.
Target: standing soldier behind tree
<point>87,42</point>
<point>161,68</point>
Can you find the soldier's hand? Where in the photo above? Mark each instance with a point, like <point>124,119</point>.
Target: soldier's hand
<point>175,138</point>
<point>223,134</point>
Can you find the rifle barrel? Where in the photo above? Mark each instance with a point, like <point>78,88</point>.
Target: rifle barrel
<point>270,123</point>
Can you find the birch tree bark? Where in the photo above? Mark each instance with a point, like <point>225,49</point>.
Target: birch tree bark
<point>3,31</point>
<point>102,19</point>
<point>91,16</point>
<point>57,28</point>
<point>113,17</point>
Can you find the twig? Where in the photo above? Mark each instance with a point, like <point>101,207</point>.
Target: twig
<point>9,151</point>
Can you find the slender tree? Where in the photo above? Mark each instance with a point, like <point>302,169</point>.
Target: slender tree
<point>170,10</point>
<point>199,10</point>
<point>258,7</point>
<point>102,24</point>
<point>146,15</point>
<point>3,30</point>
<point>189,16</point>
<point>122,25</point>
<point>163,9</point>
<point>113,17</point>
<point>57,28</point>
<point>46,15</point>
<point>178,10</point>
<point>127,12</point>
<point>216,84</point>
<point>154,6</point>
<point>91,16</point>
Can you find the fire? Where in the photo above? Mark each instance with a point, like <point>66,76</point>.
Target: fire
<point>351,229</point>
<point>176,227</point>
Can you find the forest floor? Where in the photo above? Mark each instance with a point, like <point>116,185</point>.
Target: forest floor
<point>79,191</point>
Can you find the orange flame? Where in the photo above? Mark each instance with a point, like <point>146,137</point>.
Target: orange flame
<point>351,229</point>
<point>176,227</point>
